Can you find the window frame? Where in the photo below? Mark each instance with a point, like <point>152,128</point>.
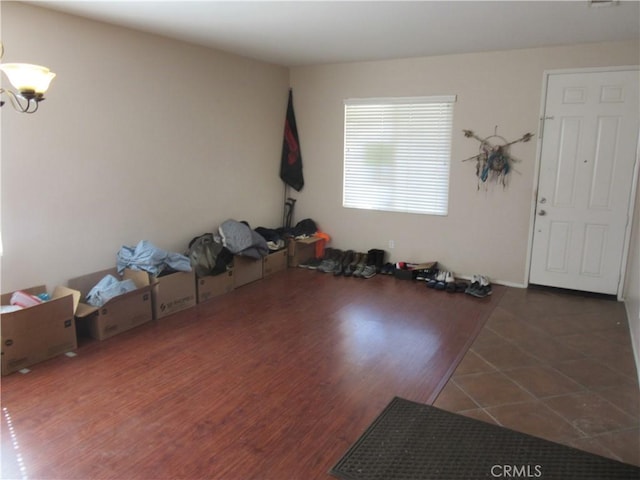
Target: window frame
<point>387,143</point>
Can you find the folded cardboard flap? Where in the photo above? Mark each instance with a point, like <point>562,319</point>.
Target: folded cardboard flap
<point>424,266</point>
<point>5,299</point>
<point>301,250</point>
<point>308,240</point>
<point>58,292</point>
<point>85,283</point>
<point>84,310</point>
<point>140,278</point>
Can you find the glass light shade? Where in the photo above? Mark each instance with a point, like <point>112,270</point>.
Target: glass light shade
<point>28,78</point>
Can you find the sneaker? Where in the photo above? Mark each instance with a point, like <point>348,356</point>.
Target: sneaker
<point>306,263</point>
<point>441,280</point>
<point>351,267</point>
<point>450,283</point>
<point>480,287</point>
<point>311,264</point>
<point>343,262</point>
<point>369,271</point>
<point>485,287</point>
<point>314,264</point>
<point>421,275</point>
<point>431,283</point>
<point>364,260</point>
<point>387,268</point>
<point>474,285</point>
<point>329,262</point>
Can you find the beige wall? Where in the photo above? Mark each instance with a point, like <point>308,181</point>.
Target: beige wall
<point>486,231</point>
<point>141,137</point>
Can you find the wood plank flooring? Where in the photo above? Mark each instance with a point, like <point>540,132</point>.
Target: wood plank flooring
<point>274,380</point>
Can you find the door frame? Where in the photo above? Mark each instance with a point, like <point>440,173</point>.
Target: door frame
<point>538,161</point>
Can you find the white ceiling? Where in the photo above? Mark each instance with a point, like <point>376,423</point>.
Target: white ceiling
<point>297,33</point>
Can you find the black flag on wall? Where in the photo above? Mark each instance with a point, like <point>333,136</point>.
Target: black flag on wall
<point>291,163</point>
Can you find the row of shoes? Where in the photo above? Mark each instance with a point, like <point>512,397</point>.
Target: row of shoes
<point>480,286</point>
<point>444,280</point>
<point>348,263</point>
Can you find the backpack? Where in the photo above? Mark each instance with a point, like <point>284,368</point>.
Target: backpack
<point>208,255</point>
<point>306,227</point>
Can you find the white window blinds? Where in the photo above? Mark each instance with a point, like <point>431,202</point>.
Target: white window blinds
<point>397,154</point>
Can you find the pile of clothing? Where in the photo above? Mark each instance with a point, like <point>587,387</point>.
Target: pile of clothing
<point>240,239</point>
<point>108,288</point>
<point>145,256</point>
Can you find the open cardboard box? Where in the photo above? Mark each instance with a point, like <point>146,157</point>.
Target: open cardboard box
<point>212,286</point>
<point>301,250</point>
<point>119,314</point>
<point>172,292</point>
<point>274,262</point>
<point>34,334</point>
<point>246,270</point>
<point>413,269</point>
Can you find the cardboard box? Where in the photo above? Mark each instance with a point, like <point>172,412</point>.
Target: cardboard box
<point>274,262</point>
<point>246,270</point>
<point>213,286</point>
<point>119,314</point>
<point>301,250</point>
<point>41,332</point>
<point>172,293</point>
<point>412,270</point>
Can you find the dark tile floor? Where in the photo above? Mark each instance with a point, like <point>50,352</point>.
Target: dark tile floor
<point>555,365</point>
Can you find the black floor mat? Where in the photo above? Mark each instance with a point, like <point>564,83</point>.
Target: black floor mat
<point>412,441</point>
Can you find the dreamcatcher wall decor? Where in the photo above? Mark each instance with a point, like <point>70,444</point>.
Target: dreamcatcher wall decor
<point>494,162</point>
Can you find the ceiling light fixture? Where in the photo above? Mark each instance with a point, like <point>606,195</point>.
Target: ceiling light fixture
<point>30,81</point>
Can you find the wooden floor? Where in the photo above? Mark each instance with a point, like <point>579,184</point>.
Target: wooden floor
<point>274,380</point>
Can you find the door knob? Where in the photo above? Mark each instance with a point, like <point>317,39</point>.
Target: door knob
<point>542,213</point>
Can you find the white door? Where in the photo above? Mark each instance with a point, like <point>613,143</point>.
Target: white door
<point>588,154</point>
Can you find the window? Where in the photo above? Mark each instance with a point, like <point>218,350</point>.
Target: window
<point>397,153</point>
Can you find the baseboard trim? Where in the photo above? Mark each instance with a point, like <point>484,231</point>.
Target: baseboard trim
<point>506,283</point>
<point>634,333</point>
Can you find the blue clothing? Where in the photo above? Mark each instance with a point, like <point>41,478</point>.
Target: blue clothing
<point>107,288</point>
<point>149,258</point>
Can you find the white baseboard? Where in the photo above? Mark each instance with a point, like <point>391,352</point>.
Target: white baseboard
<point>506,283</point>
<point>634,333</point>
